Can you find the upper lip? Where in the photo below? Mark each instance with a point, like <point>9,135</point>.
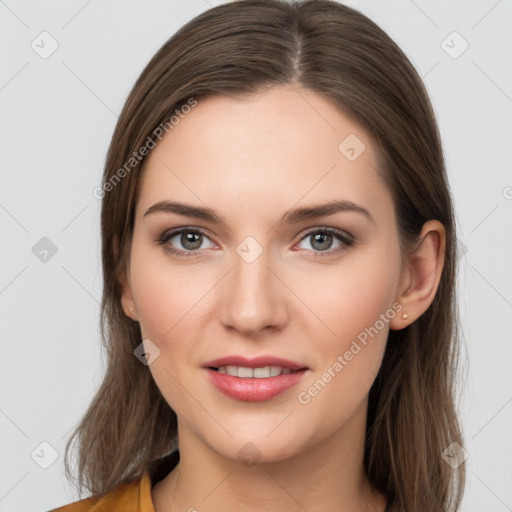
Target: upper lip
<point>256,362</point>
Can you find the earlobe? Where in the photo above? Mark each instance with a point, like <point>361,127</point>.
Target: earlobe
<point>127,301</point>
<point>422,273</point>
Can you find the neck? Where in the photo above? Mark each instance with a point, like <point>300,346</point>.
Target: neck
<point>327,476</point>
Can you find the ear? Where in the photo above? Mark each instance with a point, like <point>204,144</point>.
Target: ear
<point>421,275</point>
<point>127,301</point>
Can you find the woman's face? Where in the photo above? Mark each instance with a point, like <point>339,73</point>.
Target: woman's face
<point>265,282</point>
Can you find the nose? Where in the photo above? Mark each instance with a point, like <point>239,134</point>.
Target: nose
<point>254,297</point>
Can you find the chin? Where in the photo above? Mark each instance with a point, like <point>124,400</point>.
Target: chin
<point>252,445</point>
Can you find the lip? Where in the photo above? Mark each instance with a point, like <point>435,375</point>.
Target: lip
<point>255,362</point>
<point>253,389</point>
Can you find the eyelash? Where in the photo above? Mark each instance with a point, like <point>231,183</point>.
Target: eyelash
<point>347,241</point>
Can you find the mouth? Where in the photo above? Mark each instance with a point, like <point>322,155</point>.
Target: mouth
<point>259,363</point>
<point>254,380</point>
<point>263,372</point>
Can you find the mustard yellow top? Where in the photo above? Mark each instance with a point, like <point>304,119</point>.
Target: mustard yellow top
<point>134,496</point>
<point>130,497</point>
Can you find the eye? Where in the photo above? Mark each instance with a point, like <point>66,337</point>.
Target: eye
<point>321,241</point>
<point>191,241</point>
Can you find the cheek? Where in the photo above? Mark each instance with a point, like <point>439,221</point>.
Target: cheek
<point>167,295</point>
<point>350,299</point>
<point>355,303</point>
<point>170,300</point>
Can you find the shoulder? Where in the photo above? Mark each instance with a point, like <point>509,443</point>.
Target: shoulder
<point>133,496</point>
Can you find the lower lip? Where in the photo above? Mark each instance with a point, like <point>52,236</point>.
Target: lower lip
<point>251,389</point>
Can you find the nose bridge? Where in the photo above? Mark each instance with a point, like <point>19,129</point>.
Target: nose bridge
<point>254,298</point>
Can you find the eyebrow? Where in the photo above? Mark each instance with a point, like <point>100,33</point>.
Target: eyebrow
<point>292,216</point>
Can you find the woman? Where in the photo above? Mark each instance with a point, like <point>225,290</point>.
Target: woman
<point>279,258</point>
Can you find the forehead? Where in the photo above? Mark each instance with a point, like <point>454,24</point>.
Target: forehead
<point>268,150</point>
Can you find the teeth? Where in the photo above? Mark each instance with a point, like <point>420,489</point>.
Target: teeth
<point>274,371</point>
<point>261,373</point>
<point>258,373</point>
<point>245,372</point>
<point>232,370</point>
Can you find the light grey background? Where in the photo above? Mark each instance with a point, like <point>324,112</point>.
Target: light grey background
<point>57,117</point>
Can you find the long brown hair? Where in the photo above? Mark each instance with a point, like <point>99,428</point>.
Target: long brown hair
<point>240,48</point>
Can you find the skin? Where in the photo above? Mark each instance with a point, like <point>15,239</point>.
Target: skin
<point>251,160</point>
